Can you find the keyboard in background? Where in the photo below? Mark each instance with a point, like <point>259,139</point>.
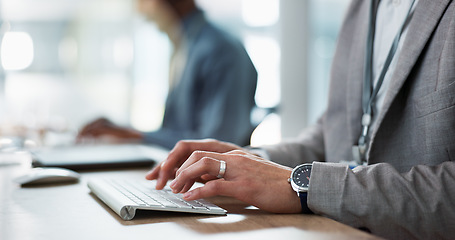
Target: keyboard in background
<point>83,157</point>
<point>124,197</point>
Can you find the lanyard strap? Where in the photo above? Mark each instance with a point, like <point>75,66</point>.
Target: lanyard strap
<point>369,93</point>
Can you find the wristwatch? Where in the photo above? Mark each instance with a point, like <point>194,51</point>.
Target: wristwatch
<point>300,182</point>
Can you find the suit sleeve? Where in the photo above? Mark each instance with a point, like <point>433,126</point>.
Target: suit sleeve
<point>415,204</point>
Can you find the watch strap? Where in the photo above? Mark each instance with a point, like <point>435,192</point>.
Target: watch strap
<point>303,201</point>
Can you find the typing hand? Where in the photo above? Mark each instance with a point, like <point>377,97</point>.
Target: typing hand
<point>182,150</point>
<point>247,177</point>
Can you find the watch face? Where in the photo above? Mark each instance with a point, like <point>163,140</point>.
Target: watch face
<point>301,176</point>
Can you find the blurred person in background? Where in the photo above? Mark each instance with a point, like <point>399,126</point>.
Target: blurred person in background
<point>212,82</point>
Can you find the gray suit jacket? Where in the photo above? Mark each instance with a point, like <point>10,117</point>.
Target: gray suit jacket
<point>408,188</point>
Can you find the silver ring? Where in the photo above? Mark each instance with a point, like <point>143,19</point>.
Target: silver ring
<point>222,169</point>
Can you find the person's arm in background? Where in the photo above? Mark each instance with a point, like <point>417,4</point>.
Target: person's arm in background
<point>223,103</point>
<point>103,127</point>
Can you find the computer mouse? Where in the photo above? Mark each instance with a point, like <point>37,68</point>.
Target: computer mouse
<point>48,175</point>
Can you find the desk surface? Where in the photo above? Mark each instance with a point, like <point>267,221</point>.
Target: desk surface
<point>70,211</point>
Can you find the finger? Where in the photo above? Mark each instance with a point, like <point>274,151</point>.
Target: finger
<point>197,156</point>
<point>206,165</point>
<point>184,181</point>
<point>184,148</point>
<point>164,175</point>
<point>181,151</point>
<point>207,177</point>
<point>188,186</point>
<point>153,173</point>
<point>210,189</point>
<point>168,168</point>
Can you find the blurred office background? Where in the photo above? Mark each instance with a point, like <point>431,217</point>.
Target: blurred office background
<point>66,62</point>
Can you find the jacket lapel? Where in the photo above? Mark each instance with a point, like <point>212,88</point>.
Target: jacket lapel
<point>422,25</point>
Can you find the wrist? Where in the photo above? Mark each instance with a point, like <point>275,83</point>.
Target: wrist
<point>300,183</point>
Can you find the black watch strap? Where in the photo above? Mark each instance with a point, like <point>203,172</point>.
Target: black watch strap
<point>303,201</point>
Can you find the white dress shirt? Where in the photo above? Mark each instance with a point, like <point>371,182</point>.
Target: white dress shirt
<point>390,17</point>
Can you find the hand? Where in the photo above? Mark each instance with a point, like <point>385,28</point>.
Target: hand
<point>248,178</point>
<point>182,150</point>
<point>104,127</point>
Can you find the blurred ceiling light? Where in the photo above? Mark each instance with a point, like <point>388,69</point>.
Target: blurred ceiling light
<point>260,13</point>
<point>16,51</point>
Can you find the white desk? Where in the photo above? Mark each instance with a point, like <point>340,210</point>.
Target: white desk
<point>71,212</point>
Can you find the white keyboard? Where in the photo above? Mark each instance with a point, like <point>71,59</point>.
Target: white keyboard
<point>126,196</point>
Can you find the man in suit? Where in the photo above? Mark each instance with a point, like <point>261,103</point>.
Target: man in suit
<point>212,82</point>
<point>402,139</point>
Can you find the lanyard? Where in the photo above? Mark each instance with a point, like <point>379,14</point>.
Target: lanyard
<point>369,93</point>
